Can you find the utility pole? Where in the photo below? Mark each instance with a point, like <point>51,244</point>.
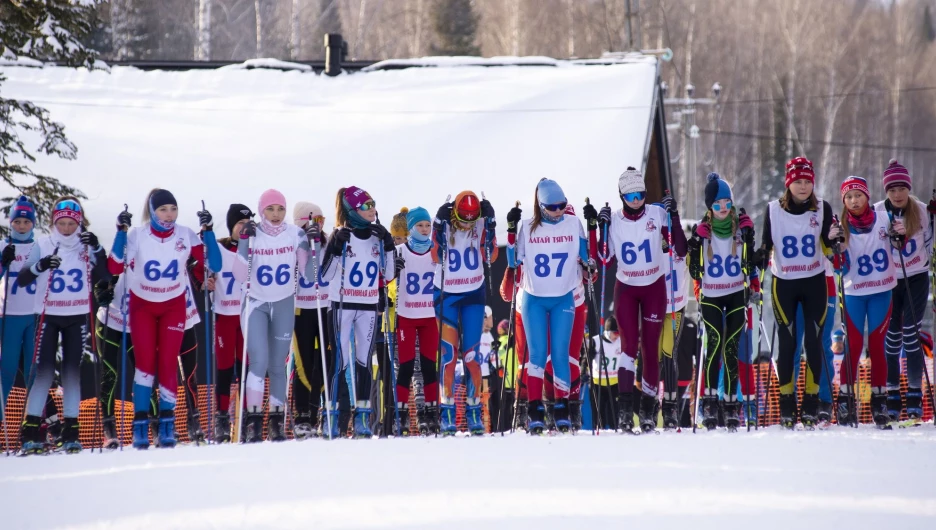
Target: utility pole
<point>633,12</point>
<point>689,179</point>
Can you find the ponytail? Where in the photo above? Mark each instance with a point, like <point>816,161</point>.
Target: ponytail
<point>341,217</point>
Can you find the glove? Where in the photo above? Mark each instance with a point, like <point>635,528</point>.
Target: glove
<point>382,234</point>
<point>313,233</point>
<point>342,236</point>
<point>931,207</point>
<point>604,218</point>
<point>591,265</point>
<point>104,293</point>
<point>694,243</point>
<point>760,258</point>
<point>52,261</point>
<point>89,239</point>
<point>381,300</point>
<point>745,223</point>
<point>591,216</point>
<point>9,255</point>
<point>486,209</point>
<point>513,219</point>
<point>123,220</point>
<point>249,230</point>
<point>204,219</point>
<point>755,297</point>
<point>704,231</point>
<point>669,204</point>
<point>399,263</point>
<point>835,231</point>
<point>445,212</point>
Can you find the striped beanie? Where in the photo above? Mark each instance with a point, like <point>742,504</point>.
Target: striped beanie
<point>896,175</point>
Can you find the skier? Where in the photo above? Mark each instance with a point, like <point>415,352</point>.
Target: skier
<point>801,226</point>
<point>549,239</point>
<point>719,253</point>
<point>308,377</point>
<point>906,318</point>
<point>227,295</point>
<point>869,276</point>
<point>415,273</point>
<point>675,381</point>
<point>605,373</point>
<point>19,318</point>
<point>268,256</point>
<point>157,253</point>
<point>63,265</point>
<point>460,301</point>
<point>351,266</point>
<point>637,235</point>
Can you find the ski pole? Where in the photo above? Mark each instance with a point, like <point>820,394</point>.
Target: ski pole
<point>443,263</point>
<point>844,316</point>
<point>188,397</point>
<point>488,237</point>
<point>604,255</point>
<point>321,338</point>
<point>124,312</point>
<point>95,359</point>
<point>241,398</point>
<point>916,323</point>
<point>389,345</point>
<point>209,344</point>
<point>745,272</point>
<point>511,329</point>
<point>3,411</point>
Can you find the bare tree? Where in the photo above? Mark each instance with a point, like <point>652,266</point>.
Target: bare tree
<point>203,45</point>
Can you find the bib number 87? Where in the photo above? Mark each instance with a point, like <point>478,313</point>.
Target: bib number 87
<point>541,264</point>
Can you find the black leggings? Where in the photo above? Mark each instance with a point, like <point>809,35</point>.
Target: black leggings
<point>810,294</point>
<point>903,332</point>
<point>308,380</point>
<point>73,332</point>
<point>724,322</point>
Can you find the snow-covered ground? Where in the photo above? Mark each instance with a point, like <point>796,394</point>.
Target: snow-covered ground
<point>840,478</point>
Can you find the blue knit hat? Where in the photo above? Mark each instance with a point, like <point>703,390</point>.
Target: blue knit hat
<point>416,215</point>
<point>23,209</point>
<point>549,192</point>
<point>715,190</point>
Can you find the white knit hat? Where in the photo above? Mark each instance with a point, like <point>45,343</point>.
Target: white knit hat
<point>631,180</point>
<point>302,210</point>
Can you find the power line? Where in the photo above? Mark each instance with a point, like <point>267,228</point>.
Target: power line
<point>830,96</point>
<point>833,144</point>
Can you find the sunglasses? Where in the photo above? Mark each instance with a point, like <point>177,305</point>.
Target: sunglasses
<point>319,220</point>
<point>68,205</point>
<point>559,207</point>
<point>717,207</point>
<point>634,196</point>
<point>369,205</point>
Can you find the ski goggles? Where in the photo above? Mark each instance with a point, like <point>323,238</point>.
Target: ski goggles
<point>634,196</point>
<point>717,207</point>
<point>68,204</point>
<point>368,205</point>
<point>558,207</point>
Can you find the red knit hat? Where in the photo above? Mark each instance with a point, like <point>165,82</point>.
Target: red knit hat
<point>799,168</point>
<point>896,175</point>
<point>855,183</point>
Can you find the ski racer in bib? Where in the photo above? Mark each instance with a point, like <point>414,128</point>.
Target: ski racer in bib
<point>460,244</point>
<point>637,237</point>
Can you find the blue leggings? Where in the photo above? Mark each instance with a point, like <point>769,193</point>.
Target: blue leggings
<point>825,387</point>
<point>19,342</point>
<point>548,323</point>
<point>462,317</point>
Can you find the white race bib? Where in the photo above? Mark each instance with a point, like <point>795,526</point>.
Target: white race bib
<point>916,253</point>
<point>273,266</point>
<point>159,264</point>
<point>465,264</point>
<point>722,275</point>
<point>68,287</point>
<point>361,272</point>
<point>415,284</point>
<point>228,292</point>
<point>550,256</point>
<point>19,300</point>
<point>638,246</point>
<point>797,244</point>
<point>871,269</point>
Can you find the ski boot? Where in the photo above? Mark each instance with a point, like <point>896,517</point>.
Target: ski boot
<point>193,425</point>
<point>825,414</point>
<point>362,423</point>
<point>575,414</point>
<point>167,434</point>
<point>625,417</point>
<point>561,415</point>
<point>788,411</point>
<point>670,421</point>
<point>894,404</point>
<point>402,426</point>
<point>915,403</point>
<point>141,428</point>
<point>549,417</point>
<point>276,431</point>
<point>302,426</point>
<point>648,412</point>
<point>475,419</point>
<point>428,419</point>
<point>749,406</point>
<point>732,419</point>
<point>879,410</point>
<point>522,416</point>
<point>70,443</point>
<point>109,426</point>
<point>344,420</point>
<point>222,428</point>
<point>537,414</point>
<point>447,416</point>
<point>844,412</point>
<point>253,428</point>
<point>710,412</point>
<point>32,444</point>
<point>684,409</point>
<point>53,433</point>
<point>809,411</point>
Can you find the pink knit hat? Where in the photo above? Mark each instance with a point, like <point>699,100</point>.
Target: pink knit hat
<point>271,196</point>
<point>896,175</point>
